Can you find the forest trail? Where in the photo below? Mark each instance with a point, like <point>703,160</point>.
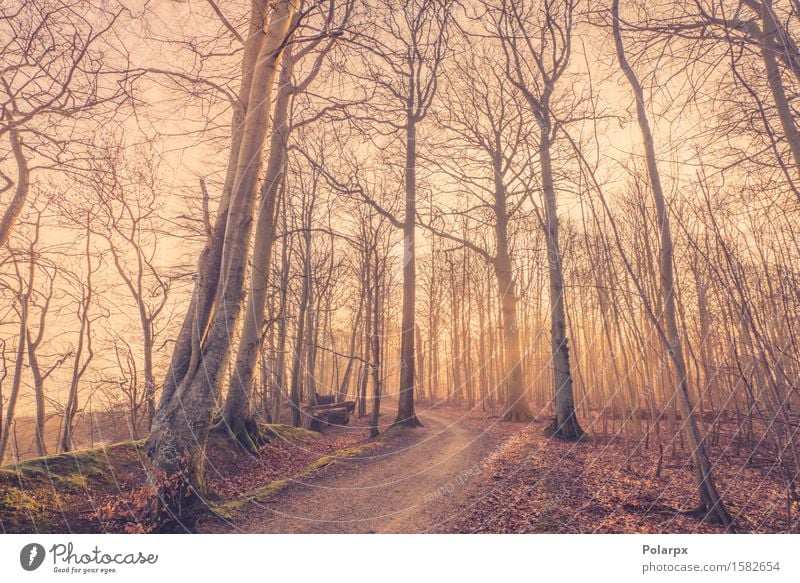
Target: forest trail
<point>415,482</point>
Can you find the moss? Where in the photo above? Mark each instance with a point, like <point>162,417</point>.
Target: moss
<point>17,500</point>
<point>31,490</point>
<point>287,432</point>
<point>228,509</point>
<point>71,482</point>
<point>86,462</point>
<point>21,512</point>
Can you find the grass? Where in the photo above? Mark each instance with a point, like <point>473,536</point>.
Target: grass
<point>40,494</point>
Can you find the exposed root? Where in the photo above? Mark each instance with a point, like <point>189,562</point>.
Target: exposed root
<point>716,515</point>
<point>244,432</point>
<point>567,431</point>
<point>519,413</point>
<point>515,416</point>
<point>411,421</point>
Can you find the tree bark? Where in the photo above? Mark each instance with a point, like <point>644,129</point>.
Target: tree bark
<point>405,411</point>
<point>516,404</point>
<point>17,202</point>
<point>16,380</point>
<point>280,369</point>
<point>376,350</point>
<point>300,337</point>
<point>195,322</point>
<point>565,424</point>
<point>237,414</point>
<point>769,48</point>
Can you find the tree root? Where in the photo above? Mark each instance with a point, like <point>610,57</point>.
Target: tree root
<point>718,515</point>
<point>244,432</point>
<point>514,415</point>
<point>411,421</point>
<point>568,431</point>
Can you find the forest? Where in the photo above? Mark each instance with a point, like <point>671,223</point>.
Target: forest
<point>399,266</point>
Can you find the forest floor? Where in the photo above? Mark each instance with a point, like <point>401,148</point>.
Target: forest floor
<point>461,472</point>
<point>408,481</point>
<point>468,472</point>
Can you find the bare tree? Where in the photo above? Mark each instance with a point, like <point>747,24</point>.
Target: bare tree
<point>53,72</point>
<point>537,44</point>
<point>83,352</point>
<point>711,505</point>
<point>237,415</point>
<point>126,217</point>
<point>182,422</point>
<point>404,47</point>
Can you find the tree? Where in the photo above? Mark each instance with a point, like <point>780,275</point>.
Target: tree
<point>537,45</point>
<point>177,440</point>
<point>711,505</point>
<point>56,81</point>
<point>126,216</point>
<point>237,415</point>
<point>404,48</point>
<point>83,352</point>
<point>490,158</point>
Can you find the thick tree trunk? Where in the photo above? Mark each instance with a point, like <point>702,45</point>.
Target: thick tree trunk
<point>237,413</point>
<point>711,505</point>
<point>195,322</point>
<point>177,441</point>
<point>516,407</point>
<point>516,404</point>
<point>405,411</point>
<point>565,424</point>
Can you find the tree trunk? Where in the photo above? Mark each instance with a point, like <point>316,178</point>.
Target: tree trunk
<point>38,390</point>
<point>344,387</point>
<point>711,505</point>
<point>237,413</point>
<point>565,424</point>
<point>16,381</point>
<point>376,351</point>
<point>149,378</point>
<point>405,411</point>
<point>14,207</point>
<point>280,369</point>
<point>769,47</point>
<point>177,442</point>
<point>300,339</point>
<point>362,388</point>
<point>195,322</point>
<point>516,404</point>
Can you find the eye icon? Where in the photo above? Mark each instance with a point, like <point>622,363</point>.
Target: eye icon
<point>31,556</point>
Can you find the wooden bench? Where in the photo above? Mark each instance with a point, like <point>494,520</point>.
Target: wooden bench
<point>328,414</point>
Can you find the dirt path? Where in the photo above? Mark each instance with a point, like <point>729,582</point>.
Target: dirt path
<point>416,481</point>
